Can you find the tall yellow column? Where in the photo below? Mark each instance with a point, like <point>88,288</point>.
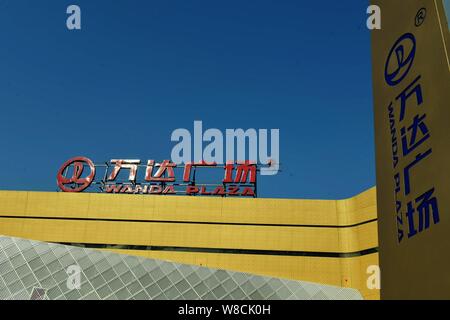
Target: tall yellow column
<point>411,79</point>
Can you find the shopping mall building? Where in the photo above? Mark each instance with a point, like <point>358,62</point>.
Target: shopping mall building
<point>327,242</point>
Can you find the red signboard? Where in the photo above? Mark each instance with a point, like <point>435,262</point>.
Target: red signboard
<point>121,176</point>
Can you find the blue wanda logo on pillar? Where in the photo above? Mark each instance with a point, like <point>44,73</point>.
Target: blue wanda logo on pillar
<point>400,59</point>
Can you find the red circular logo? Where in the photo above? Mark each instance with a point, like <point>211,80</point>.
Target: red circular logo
<point>75,183</point>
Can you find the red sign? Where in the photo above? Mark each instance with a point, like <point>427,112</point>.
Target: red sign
<point>159,178</point>
<point>75,183</point>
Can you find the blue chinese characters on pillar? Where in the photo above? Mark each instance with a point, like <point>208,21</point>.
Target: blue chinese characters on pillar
<point>416,209</point>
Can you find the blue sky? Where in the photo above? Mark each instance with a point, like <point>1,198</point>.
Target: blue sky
<point>140,69</point>
<point>447,9</point>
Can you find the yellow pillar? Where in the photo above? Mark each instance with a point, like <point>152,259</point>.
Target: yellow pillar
<point>411,70</point>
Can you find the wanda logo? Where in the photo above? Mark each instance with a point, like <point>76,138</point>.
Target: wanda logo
<point>77,181</point>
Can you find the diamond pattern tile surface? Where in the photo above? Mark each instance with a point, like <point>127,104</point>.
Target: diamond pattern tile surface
<point>33,270</point>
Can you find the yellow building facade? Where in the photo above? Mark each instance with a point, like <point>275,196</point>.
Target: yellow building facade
<point>324,241</point>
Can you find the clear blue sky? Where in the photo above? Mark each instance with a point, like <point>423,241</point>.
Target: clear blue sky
<point>140,69</point>
<point>447,9</point>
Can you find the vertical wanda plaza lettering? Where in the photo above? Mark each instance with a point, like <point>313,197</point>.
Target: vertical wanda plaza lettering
<point>407,115</point>
<point>123,176</point>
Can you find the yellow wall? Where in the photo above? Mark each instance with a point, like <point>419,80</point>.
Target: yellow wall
<point>249,224</point>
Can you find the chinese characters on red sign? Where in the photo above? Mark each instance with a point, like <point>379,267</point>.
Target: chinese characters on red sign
<point>160,178</point>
